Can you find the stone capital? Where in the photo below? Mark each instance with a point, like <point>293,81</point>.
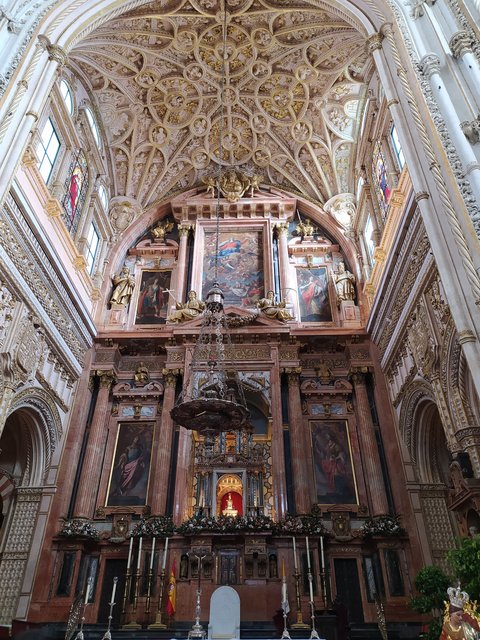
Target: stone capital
<point>107,378</point>
<point>460,44</point>
<point>374,42</point>
<point>430,64</point>
<point>170,376</point>
<point>281,228</point>
<point>184,230</point>
<point>293,374</point>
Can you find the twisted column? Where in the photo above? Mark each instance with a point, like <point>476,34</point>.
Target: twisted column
<point>92,464</point>
<point>368,443</point>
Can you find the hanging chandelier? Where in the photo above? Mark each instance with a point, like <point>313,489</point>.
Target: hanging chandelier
<point>212,398</point>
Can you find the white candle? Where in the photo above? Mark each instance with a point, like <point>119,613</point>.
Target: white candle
<point>152,554</point>
<point>294,554</point>
<point>321,553</point>
<point>87,591</point>
<point>114,588</point>
<point>308,553</point>
<point>139,559</point>
<point>164,559</point>
<point>130,553</point>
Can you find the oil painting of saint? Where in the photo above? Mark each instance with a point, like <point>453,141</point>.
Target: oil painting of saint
<point>313,295</point>
<point>239,266</point>
<point>334,475</point>
<point>152,303</point>
<point>131,465</point>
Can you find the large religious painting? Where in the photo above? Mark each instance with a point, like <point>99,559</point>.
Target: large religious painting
<point>152,305</point>
<point>333,466</point>
<point>240,266</point>
<point>76,186</point>
<point>312,285</point>
<point>131,465</point>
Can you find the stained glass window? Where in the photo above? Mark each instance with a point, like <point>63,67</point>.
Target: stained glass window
<point>380,178</point>
<point>76,186</point>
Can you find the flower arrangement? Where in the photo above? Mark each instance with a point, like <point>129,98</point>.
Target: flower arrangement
<point>309,524</point>
<point>385,525</point>
<point>158,526</point>
<point>77,528</point>
<point>225,524</point>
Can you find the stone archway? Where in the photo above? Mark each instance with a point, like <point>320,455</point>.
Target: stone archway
<point>29,439</point>
<point>424,436</point>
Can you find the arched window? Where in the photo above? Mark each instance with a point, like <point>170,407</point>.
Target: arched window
<point>93,126</point>
<point>66,94</point>
<point>103,195</point>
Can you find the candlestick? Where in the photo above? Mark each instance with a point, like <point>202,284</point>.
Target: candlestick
<point>308,553</point>
<point>164,559</point>
<point>130,553</point>
<point>139,559</point>
<point>87,590</point>
<point>294,554</point>
<point>152,554</point>
<point>114,588</point>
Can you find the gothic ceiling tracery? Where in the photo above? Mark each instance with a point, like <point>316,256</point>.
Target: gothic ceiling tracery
<point>292,98</point>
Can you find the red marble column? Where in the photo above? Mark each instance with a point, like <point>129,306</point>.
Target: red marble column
<point>278,450</point>
<point>92,464</point>
<point>297,443</point>
<point>368,443</point>
<point>183,231</point>
<point>164,452</point>
<point>180,506</point>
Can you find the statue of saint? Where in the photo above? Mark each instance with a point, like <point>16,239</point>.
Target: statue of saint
<point>189,310</point>
<point>344,283</point>
<point>142,375</point>
<point>461,620</point>
<point>160,231</point>
<point>272,309</point>
<point>124,284</point>
<point>229,510</point>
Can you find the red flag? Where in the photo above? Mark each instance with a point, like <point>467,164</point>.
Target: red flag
<point>172,592</point>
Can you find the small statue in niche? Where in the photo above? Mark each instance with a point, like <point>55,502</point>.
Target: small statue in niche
<point>189,310</point>
<point>142,375</point>
<point>272,309</point>
<point>272,565</point>
<point>344,284</point>
<point>124,284</point>
<point>160,231</point>
<point>183,567</point>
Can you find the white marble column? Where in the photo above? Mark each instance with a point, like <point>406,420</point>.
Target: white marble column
<point>430,65</point>
<point>461,48</point>
<point>180,294</point>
